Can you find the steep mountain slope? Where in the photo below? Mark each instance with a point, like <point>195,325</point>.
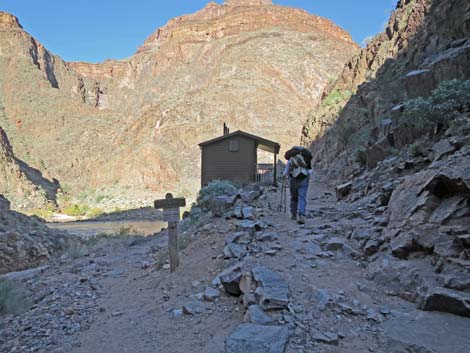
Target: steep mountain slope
<point>425,42</point>
<point>133,125</point>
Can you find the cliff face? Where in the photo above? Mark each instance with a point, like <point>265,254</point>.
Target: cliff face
<point>25,187</point>
<point>133,125</point>
<point>424,43</point>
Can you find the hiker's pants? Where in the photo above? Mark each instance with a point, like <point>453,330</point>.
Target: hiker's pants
<point>298,195</point>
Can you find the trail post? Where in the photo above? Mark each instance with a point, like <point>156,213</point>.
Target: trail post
<point>171,214</point>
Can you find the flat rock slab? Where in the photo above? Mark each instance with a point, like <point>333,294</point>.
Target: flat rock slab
<point>427,332</point>
<point>233,250</point>
<point>194,308</point>
<point>257,316</point>
<point>272,236</point>
<point>249,338</point>
<point>211,294</point>
<point>447,300</point>
<point>334,244</point>
<point>272,291</point>
<point>248,225</point>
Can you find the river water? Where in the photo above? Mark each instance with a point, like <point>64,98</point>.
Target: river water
<point>87,229</point>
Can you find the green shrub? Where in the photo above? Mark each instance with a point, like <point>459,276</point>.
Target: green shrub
<point>447,101</point>
<point>336,96</point>
<point>76,252</point>
<point>417,149</point>
<point>215,188</point>
<point>360,155</point>
<point>13,298</point>
<point>76,210</point>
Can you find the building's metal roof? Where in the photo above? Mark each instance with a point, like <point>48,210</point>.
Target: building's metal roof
<point>263,144</point>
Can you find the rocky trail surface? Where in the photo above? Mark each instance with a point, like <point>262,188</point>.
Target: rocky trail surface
<point>259,284</point>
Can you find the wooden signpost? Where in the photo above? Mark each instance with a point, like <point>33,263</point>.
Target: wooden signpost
<point>171,214</point>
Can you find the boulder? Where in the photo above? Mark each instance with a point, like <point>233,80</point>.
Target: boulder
<point>230,279</point>
<point>446,300</point>
<point>324,337</point>
<point>252,226</point>
<point>442,148</point>
<point>371,247</point>
<point>219,205</point>
<point>194,308</point>
<point>239,238</point>
<point>249,338</point>
<point>211,294</point>
<point>248,213</point>
<point>426,332</point>
<point>272,236</point>
<point>343,190</point>
<point>272,291</point>
<point>235,251</point>
<point>250,196</point>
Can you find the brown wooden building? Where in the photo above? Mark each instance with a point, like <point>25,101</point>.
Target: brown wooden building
<point>234,157</point>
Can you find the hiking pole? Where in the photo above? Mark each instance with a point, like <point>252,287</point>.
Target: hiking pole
<point>285,195</point>
<point>279,208</point>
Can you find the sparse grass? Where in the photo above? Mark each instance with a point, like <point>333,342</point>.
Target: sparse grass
<point>76,210</point>
<point>13,298</point>
<point>336,96</point>
<point>94,212</point>
<point>76,252</point>
<point>198,217</point>
<point>44,213</point>
<point>100,198</point>
<point>119,233</point>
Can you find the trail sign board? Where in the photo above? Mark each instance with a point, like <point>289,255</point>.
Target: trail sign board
<point>171,214</point>
<point>169,202</point>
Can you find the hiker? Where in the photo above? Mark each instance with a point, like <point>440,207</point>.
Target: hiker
<point>299,170</point>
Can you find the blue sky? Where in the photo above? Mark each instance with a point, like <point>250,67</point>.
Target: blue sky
<point>94,30</point>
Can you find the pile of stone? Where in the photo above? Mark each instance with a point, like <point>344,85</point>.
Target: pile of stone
<point>262,292</point>
<point>26,241</point>
<point>422,210</point>
<point>61,301</point>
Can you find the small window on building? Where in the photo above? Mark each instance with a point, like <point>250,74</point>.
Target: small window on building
<point>234,146</point>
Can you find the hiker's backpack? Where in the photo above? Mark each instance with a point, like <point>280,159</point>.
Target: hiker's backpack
<point>298,167</point>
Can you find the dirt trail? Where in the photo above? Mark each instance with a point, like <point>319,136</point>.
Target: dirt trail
<point>136,313</point>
